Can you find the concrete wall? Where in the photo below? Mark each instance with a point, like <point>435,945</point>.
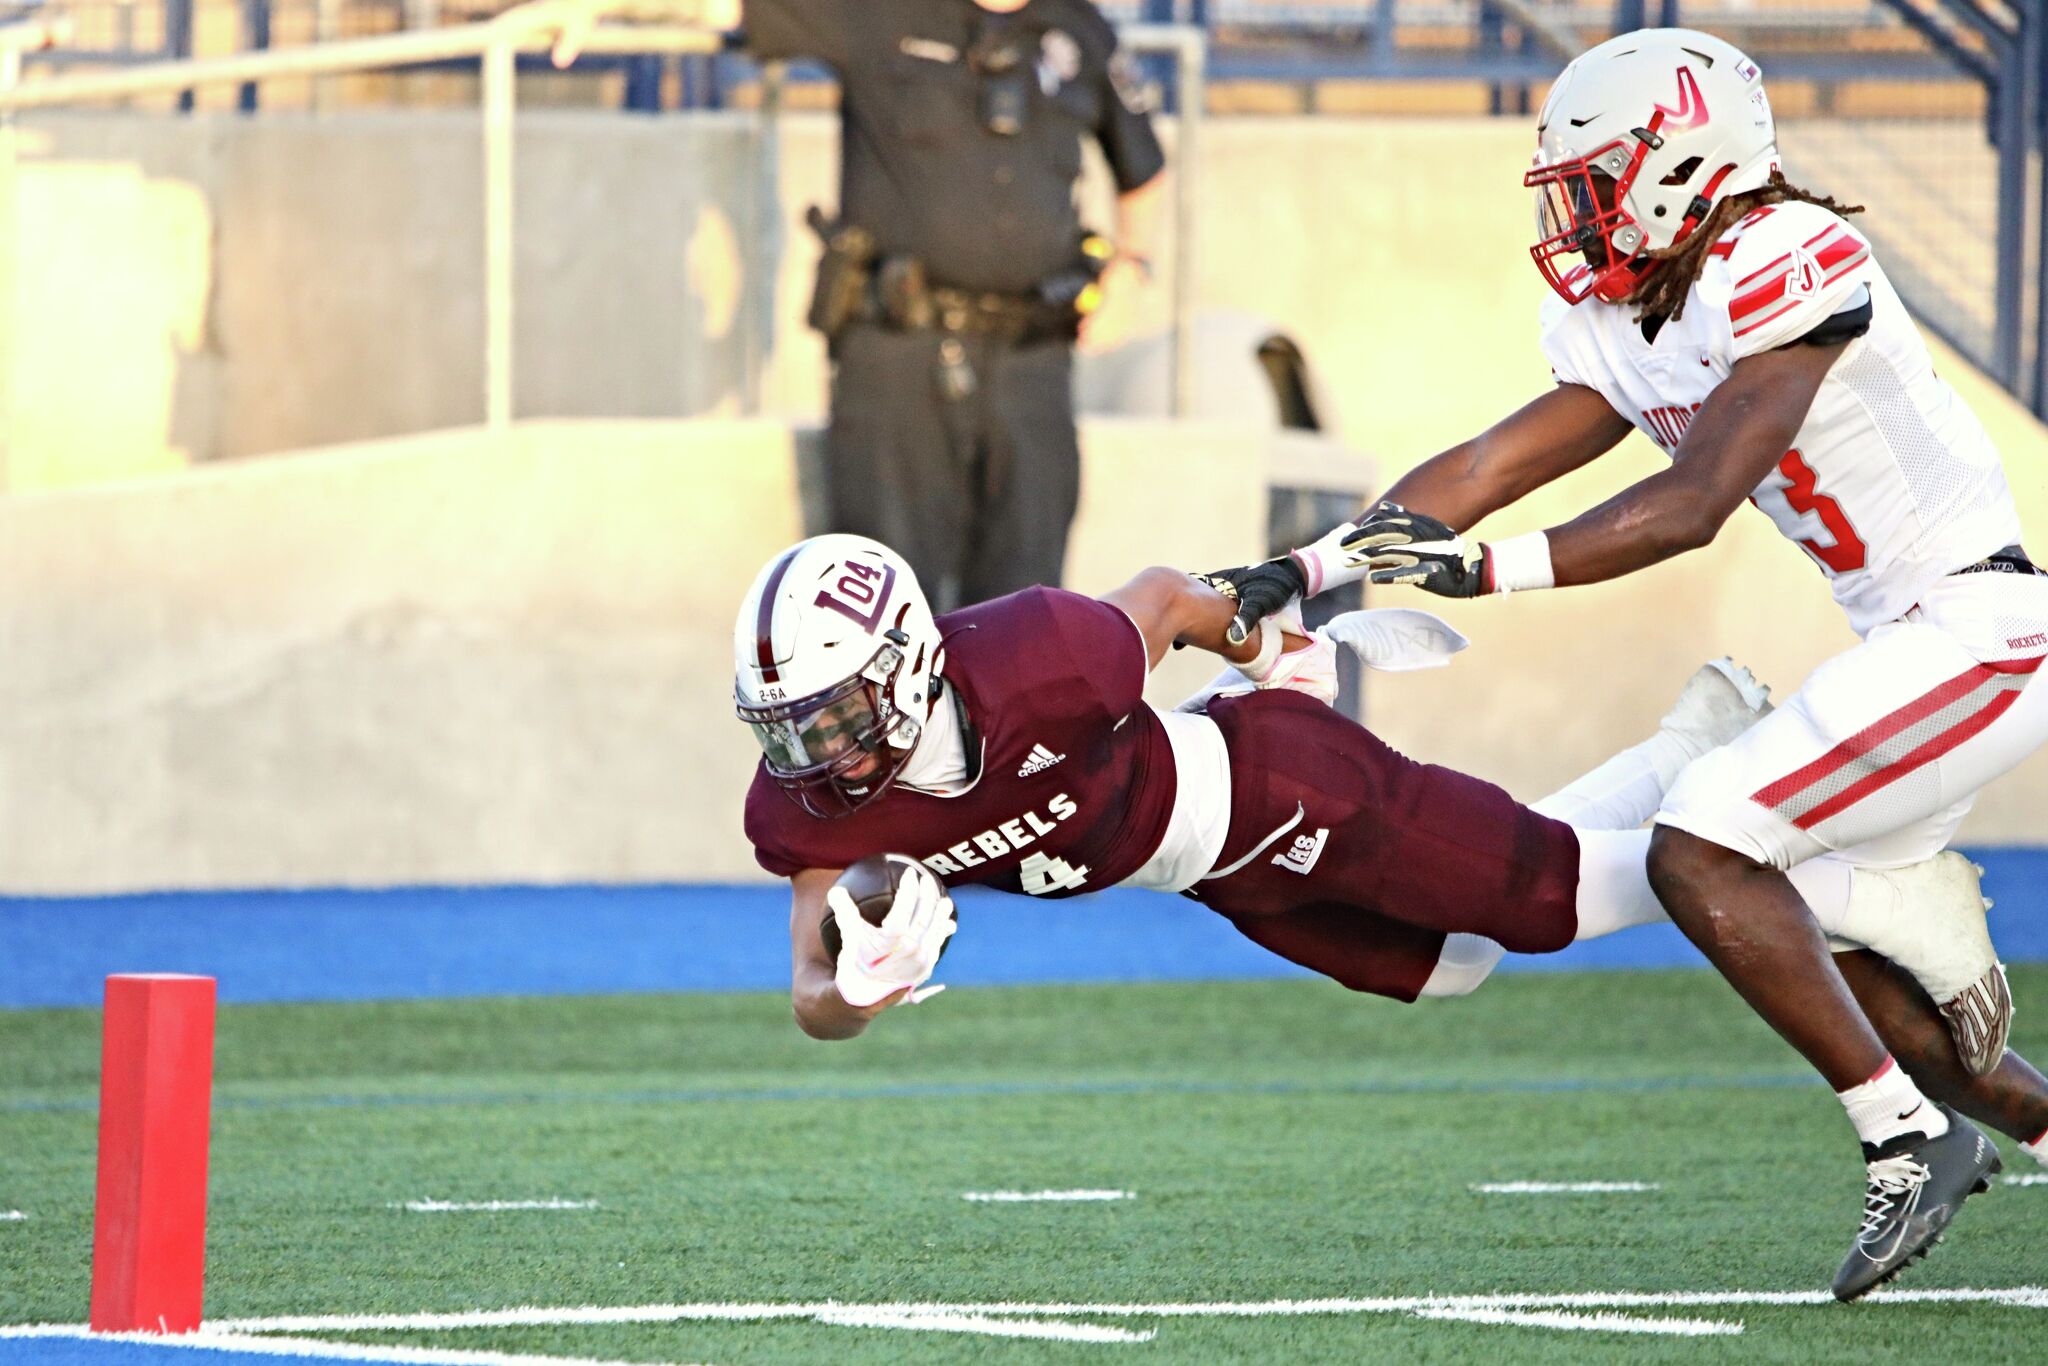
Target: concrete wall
<point>450,658</point>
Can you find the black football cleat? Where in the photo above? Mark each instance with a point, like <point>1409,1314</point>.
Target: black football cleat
<point>1917,1184</point>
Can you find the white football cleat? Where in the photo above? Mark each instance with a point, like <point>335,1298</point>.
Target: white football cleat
<point>1928,917</point>
<point>1720,701</point>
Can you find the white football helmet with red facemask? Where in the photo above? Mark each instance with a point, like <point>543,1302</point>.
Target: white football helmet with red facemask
<point>836,658</point>
<point>1638,140</point>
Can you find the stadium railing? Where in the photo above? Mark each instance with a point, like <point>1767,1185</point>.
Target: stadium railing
<point>497,44</point>
<point>1930,111</point>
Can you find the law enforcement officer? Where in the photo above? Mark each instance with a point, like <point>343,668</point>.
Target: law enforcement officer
<point>956,275</point>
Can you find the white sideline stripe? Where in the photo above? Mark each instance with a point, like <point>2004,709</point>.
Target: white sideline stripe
<point>15,1216</point>
<point>2031,1179</point>
<point>2022,1296</point>
<point>489,1206</point>
<point>1018,1197</point>
<point>214,1340</point>
<point>985,1325</point>
<point>1561,1187</point>
<point>1588,1323</point>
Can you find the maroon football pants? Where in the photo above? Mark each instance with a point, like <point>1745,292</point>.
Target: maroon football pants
<point>1346,857</point>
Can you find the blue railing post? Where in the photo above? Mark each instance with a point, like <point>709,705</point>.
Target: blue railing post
<point>1381,53</point>
<point>178,41</point>
<point>2034,64</point>
<point>643,85</point>
<point>256,31</point>
<point>2008,298</point>
<point>1158,67</point>
<point>1491,23</point>
<point>1628,15</point>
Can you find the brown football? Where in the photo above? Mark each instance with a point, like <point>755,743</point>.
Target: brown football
<point>871,882</point>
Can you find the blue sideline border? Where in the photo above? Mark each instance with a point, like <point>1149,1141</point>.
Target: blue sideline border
<point>53,1351</point>
<point>332,945</point>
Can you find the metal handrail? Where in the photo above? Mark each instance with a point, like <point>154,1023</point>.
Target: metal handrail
<point>417,48</point>
<point>497,43</point>
<point>1189,47</point>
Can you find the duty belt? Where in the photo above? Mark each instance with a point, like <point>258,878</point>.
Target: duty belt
<point>2011,560</point>
<point>1012,317</point>
<point>943,308</point>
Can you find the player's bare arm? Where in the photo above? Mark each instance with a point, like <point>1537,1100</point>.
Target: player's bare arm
<point>1739,435</point>
<point>1543,440</point>
<point>1170,607</point>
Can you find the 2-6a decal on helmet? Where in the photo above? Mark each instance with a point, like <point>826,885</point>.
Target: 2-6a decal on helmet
<point>835,656</point>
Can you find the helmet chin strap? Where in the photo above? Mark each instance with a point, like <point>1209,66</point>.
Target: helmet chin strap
<point>1702,205</point>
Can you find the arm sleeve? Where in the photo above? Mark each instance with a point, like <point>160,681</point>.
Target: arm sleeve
<point>1125,131</point>
<point>1800,273</point>
<point>1102,649</point>
<point>779,29</point>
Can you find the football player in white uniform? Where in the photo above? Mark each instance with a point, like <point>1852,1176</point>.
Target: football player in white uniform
<point>1743,325</point>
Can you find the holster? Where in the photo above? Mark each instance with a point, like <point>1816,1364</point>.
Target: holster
<point>840,296</point>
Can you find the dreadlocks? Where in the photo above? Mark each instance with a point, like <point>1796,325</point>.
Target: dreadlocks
<point>1661,293</point>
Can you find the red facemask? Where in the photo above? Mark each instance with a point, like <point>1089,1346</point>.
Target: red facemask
<point>1577,216</point>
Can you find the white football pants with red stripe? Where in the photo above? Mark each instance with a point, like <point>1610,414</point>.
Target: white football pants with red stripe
<point>1880,753</point>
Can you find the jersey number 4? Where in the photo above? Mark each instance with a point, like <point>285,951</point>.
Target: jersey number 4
<point>1040,876</point>
<point>1847,553</point>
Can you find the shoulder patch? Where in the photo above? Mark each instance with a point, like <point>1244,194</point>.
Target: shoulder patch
<point>1789,273</point>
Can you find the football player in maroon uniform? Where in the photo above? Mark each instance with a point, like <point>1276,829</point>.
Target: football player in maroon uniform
<point>1009,744</point>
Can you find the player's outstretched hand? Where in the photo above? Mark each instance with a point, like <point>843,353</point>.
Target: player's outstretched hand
<point>1406,547</point>
<point>1259,590</point>
<point>900,954</point>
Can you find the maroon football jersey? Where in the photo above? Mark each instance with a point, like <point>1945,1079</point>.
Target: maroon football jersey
<point>1074,781</point>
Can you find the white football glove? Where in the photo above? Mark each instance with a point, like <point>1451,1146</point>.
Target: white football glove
<point>877,961</point>
<point>1389,639</point>
<point>1397,639</point>
<point>1311,668</point>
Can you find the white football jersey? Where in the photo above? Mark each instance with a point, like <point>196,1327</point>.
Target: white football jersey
<point>1892,482</point>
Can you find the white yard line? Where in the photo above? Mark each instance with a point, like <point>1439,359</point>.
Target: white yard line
<point>15,1216</point>
<point>1561,1187</point>
<point>1023,1197</point>
<point>488,1206</point>
<point>985,1325</point>
<point>2031,1179</point>
<point>1588,1323</point>
<point>1567,1311</point>
<point>2025,1297</point>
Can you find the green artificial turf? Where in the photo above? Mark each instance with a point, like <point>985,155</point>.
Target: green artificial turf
<point>1283,1140</point>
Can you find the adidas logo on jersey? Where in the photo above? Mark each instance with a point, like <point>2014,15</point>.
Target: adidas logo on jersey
<point>1301,857</point>
<point>1041,759</point>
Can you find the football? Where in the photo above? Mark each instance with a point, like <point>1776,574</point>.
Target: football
<point>871,882</point>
